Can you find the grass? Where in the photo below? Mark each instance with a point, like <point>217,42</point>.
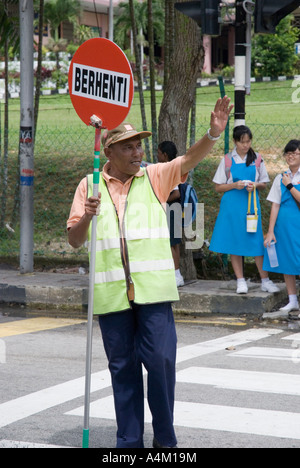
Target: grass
<point>56,109</point>
<point>64,154</point>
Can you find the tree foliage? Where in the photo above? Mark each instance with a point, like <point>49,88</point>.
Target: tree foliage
<point>123,23</point>
<point>274,54</point>
<point>9,25</point>
<point>9,35</point>
<point>57,11</point>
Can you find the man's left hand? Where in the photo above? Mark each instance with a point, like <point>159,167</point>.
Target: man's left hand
<point>220,115</point>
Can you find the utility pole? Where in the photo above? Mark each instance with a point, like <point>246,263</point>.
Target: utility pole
<point>249,8</point>
<point>26,136</point>
<point>240,63</point>
<point>111,21</point>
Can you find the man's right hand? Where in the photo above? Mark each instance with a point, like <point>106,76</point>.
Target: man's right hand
<point>78,234</point>
<point>92,206</point>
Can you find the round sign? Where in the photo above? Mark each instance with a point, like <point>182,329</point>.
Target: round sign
<point>101,82</point>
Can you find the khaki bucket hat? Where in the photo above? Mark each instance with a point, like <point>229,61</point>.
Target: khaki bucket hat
<point>120,133</point>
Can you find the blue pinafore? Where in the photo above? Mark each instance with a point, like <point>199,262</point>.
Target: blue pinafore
<point>230,234</point>
<point>287,233</point>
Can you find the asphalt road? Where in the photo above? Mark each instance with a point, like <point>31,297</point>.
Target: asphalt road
<point>238,385</point>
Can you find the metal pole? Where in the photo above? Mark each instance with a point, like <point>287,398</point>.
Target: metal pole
<point>111,21</point>
<point>226,150</point>
<point>240,64</point>
<point>26,136</point>
<point>85,437</point>
<point>248,53</point>
<point>226,133</point>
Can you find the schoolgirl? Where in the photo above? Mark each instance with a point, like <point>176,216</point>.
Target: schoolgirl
<point>237,175</point>
<point>167,151</point>
<point>284,225</point>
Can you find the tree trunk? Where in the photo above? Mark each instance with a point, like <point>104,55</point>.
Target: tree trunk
<point>152,82</point>
<point>38,78</point>
<point>169,38</point>
<point>186,62</point>
<point>138,72</point>
<point>5,147</point>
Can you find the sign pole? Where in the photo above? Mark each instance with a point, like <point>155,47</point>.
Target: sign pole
<point>96,122</point>
<point>26,138</point>
<point>240,64</point>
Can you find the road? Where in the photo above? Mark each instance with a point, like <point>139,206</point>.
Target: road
<point>238,386</point>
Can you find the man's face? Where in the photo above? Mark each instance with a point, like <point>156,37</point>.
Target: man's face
<point>125,158</point>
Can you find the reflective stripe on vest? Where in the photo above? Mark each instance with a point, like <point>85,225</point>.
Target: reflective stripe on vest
<point>143,256</point>
<point>143,233</point>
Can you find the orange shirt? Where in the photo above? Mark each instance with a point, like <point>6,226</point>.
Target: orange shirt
<point>163,177</point>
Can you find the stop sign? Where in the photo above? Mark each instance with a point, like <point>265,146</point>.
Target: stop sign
<point>101,82</point>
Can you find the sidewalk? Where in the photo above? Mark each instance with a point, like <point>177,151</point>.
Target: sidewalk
<point>66,294</point>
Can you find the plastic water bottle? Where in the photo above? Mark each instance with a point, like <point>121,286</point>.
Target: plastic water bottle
<point>272,255</point>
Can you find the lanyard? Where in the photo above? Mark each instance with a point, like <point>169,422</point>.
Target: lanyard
<point>255,202</point>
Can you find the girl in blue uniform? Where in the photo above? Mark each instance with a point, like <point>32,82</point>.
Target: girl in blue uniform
<point>236,176</point>
<point>284,225</point>
<point>167,151</point>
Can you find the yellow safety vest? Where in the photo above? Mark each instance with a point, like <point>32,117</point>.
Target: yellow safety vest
<point>137,251</point>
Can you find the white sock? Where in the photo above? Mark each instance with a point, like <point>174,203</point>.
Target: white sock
<point>293,299</point>
<point>265,280</point>
<point>241,280</point>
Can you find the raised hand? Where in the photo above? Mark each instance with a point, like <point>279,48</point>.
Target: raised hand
<point>220,115</point>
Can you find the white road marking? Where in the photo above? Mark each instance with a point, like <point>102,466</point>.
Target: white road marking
<point>19,444</point>
<point>236,339</point>
<point>265,382</point>
<point>257,352</point>
<point>33,403</point>
<point>215,417</point>
<point>293,337</point>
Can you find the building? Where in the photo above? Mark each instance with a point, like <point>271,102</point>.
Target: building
<point>95,15</point>
<point>220,51</point>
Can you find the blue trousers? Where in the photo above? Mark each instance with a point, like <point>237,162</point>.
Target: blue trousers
<point>144,335</point>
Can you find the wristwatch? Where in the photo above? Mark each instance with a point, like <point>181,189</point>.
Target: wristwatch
<point>289,186</point>
<point>211,137</point>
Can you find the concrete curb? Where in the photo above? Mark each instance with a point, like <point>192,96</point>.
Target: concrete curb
<point>217,297</point>
<point>60,294</point>
<point>55,293</point>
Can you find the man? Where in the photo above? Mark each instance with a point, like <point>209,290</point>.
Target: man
<point>134,279</point>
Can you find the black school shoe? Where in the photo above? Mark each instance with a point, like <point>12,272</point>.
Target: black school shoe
<point>157,445</point>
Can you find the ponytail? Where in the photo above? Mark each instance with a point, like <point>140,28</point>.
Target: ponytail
<point>251,157</point>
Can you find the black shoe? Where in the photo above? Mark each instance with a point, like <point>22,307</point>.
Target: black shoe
<point>157,445</point>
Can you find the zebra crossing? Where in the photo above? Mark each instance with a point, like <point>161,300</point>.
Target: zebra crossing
<point>255,362</point>
<point>230,418</point>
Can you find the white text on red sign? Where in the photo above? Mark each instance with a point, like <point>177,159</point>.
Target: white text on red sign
<point>102,85</point>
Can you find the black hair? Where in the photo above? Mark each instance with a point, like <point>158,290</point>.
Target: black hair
<point>169,148</point>
<point>238,133</point>
<point>292,146</point>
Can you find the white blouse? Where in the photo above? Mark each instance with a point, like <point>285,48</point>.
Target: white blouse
<point>221,177</point>
<point>275,192</point>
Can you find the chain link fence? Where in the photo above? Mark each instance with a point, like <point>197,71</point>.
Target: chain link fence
<point>64,157</point>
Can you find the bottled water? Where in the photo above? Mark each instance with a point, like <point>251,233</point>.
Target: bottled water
<point>272,255</point>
